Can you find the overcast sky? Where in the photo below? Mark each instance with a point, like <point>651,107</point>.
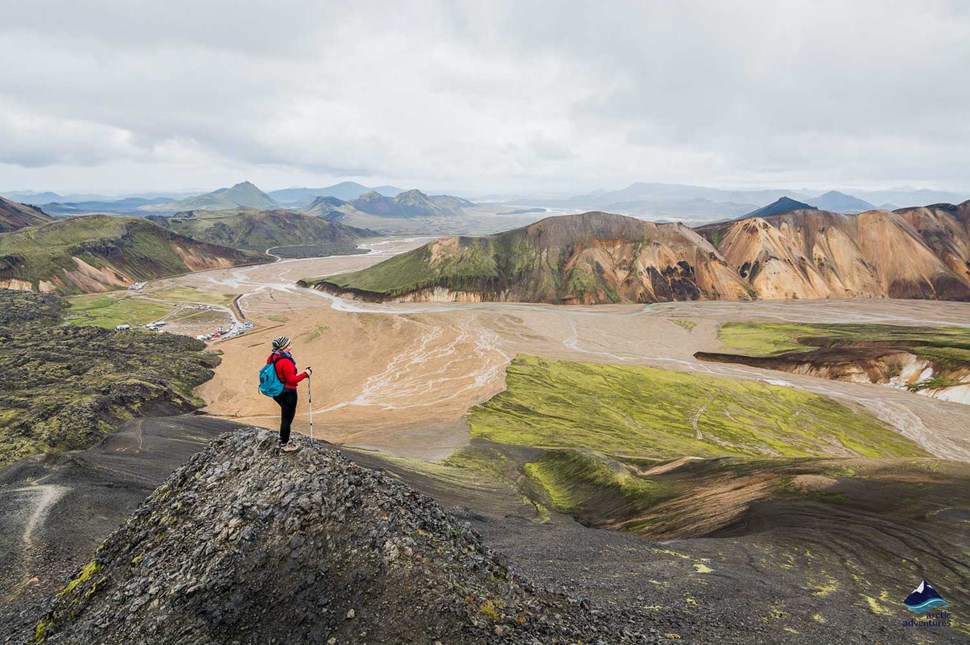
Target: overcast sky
<point>483,96</point>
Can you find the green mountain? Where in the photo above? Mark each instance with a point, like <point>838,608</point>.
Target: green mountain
<point>99,253</point>
<point>14,216</point>
<point>258,230</point>
<point>244,195</point>
<point>589,258</point>
<point>411,203</point>
<point>329,208</point>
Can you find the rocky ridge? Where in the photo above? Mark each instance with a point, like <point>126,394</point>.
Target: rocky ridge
<point>243,544</point>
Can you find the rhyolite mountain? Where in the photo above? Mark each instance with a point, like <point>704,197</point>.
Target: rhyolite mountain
<point>919,252</point>
<point>15,216</point>
<point>99,253</point>
<point>576,259</point>
<point>411,203</point>
<point>837,202</point>
<point>242,545</point>
<point>597,258</point>
<point>258,230</point>
<point>243,194</point>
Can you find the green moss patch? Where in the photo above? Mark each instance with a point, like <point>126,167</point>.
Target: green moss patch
<point>65,387</point>
<point>588,485</point>
<point>653,413</point>
<point>948,347</point>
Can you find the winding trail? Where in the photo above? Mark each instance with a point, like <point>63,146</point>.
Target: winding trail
<point>44,497</point>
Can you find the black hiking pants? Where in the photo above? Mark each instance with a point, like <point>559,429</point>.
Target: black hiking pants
<point>287,400</point>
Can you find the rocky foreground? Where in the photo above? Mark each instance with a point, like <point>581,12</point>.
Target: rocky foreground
<point>247,545</point>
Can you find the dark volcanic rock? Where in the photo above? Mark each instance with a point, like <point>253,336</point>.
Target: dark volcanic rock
<point>247,545</point>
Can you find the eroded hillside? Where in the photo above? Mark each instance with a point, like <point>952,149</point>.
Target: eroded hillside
<point>99,253</point>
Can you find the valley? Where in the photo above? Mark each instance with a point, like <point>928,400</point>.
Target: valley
<point>396,371</point>
<point>600,433</point>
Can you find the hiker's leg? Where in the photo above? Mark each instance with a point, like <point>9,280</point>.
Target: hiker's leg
<point>287,412</point>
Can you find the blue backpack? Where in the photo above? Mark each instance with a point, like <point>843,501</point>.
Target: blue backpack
<point>269,381</point>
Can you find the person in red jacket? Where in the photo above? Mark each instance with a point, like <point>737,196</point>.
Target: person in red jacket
<point>285,365</point>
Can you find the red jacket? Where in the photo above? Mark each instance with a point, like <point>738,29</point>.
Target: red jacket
<point>286,370</point>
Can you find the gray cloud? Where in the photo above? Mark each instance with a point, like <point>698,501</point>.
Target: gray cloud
<point>484,96</point>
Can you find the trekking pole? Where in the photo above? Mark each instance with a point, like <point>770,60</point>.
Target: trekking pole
<point>309,399</point>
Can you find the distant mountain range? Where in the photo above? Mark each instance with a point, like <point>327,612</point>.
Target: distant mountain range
<point>691,204</point>
<point>598,257</point>
<point>14,216</point>
<point>126,206</point>
<point>409,204</point>
<point>100,253</point>
<point>346,191</point>
<point>702,204</point>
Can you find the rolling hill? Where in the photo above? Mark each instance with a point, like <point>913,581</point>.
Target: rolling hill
<point>15,216</point>
<point>258,230</point>
<point>589,258</point>
<point>100,253</point>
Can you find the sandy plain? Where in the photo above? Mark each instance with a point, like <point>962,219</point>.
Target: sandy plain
<point>399,378</point>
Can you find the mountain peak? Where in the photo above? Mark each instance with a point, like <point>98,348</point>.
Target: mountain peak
<point>838,202</point>
<point>245,194</point>
<point>779,207</point>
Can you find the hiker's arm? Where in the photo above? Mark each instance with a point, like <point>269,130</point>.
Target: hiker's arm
<point>290,377</point>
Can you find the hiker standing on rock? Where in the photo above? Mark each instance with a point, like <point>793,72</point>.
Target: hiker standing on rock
<point>285,365</point>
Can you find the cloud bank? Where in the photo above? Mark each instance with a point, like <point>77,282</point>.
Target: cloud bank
<point>479,97</point>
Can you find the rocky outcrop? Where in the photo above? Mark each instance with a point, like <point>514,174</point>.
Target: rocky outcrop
<point>247,545</point>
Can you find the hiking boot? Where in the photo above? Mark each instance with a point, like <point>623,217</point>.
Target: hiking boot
<point>289,447</point>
